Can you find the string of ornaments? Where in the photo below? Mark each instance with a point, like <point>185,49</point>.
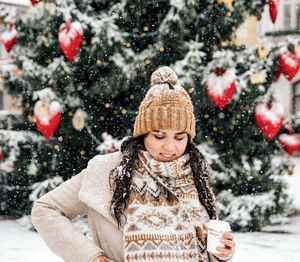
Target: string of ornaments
<point>220,87</point>
<point>47,116</point>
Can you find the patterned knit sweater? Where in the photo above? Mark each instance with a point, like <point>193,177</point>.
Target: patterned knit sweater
<point>165,219</point>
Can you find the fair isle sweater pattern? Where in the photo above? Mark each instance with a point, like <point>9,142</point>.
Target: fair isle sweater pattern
<point>165,219</point>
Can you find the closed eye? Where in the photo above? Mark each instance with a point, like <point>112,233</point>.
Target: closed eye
<point>159,137</point>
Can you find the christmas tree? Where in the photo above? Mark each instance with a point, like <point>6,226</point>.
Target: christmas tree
<point>86,66</point>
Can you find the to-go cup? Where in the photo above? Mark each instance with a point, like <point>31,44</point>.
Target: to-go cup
<point>216,230</point>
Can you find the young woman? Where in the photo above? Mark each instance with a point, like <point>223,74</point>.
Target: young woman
<point>148,202</point>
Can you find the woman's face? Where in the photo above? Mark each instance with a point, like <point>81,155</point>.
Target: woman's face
<point>166,145</point>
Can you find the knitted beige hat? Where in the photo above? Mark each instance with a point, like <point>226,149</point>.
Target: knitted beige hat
<point>166,106</point>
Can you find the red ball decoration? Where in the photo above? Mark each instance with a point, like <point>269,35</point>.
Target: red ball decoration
<point>70,36</point>
<point>220,86</point>
<point>273,8</point>
<point>47,117</point>
<point>35,2</point>
<point>289,64</point>
<point>290,143</point>
<point>9,37</point>
<point>269,118</point>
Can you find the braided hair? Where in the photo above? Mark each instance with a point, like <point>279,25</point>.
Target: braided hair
<point>121,177</point>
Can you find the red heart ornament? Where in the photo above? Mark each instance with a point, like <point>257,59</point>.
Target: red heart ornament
<point>220,87</point>
<point>273,8</point>
<point>289,64</point>
<point>290,143</point>
<point>47,117</point>
<point>269,118</point>
<point>9,37</point>
<point>1,155</point>
<point>70,36</point>
<point>35,2</point>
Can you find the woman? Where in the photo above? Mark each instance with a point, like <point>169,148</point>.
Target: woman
<point>148,202</point>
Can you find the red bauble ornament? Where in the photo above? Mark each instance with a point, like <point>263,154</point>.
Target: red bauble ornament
<point>290,143</point>
<point>269,118</point>
<point>70,36</point>
<point>289,64</point>
<point>47,117</point>
<point>273,8</point>
<point>35,2</point>
<point>9,37</point>
<point>220,86</point>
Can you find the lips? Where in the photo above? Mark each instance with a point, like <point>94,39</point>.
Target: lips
<point>168,157</point>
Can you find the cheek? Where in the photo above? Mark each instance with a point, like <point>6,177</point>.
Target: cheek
<point>151,145</point>
<point>183,146</point>
<point>154,147</point>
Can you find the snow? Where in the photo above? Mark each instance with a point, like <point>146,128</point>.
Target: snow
<point>290,139</point>
<point>109,144</point>
<point>275,243</point>
<point>14,138</point>
<point>218,84</point>
<point>18,244</point>
<point>16,2</point>
<point>45,94</point>
<point>68,32</point>
<point>290,59</point>
<point>273,114</point>
<point>54,108</point>
<point>45,112</point>
<point>9,35</point>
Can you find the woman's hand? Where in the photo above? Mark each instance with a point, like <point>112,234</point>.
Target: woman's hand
<point>99,259</point>
<point>229,244</point>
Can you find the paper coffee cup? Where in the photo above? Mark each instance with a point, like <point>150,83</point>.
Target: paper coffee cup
<point>216,230</point>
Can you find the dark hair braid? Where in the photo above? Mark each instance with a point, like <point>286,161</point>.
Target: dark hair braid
<point>200,171</point>
<point>121,176</point>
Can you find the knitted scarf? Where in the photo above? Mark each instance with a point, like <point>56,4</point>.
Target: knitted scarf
<point>164,216</point>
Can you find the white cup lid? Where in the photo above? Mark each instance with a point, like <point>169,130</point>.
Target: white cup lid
<point>218,224</point>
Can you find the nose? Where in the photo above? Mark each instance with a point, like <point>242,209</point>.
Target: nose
<point>169,146</point>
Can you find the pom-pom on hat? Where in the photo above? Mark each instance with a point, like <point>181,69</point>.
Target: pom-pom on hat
<point>166,106</point>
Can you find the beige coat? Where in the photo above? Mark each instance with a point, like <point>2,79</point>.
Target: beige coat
<point>86,193</point>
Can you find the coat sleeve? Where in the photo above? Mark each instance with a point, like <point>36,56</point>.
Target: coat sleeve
<point>52,216</point>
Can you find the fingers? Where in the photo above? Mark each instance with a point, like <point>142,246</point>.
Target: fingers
<point>227,249</point>
<point>228,236</point>
<point>229,243</point>
<point>222,255</point>
<point>99,259</point>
